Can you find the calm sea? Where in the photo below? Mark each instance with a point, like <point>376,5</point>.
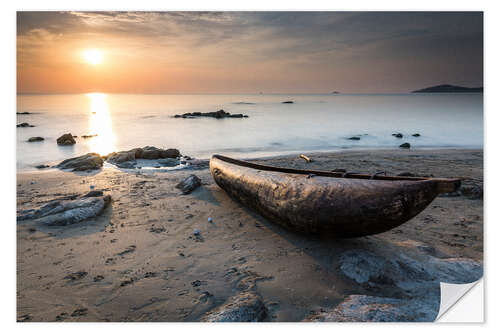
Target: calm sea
<point>312,123</point>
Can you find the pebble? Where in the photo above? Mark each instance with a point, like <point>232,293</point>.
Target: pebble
<point>196,232</point>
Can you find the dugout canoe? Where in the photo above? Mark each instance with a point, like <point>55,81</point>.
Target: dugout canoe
<point>328,203</point>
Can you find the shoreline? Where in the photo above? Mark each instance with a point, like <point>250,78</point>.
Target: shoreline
<point>283,155</point>
<point>139,259</point>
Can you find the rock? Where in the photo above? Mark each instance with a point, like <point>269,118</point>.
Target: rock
<point>24,125</point>
<point>409,276</point>
<point>287,102</point>
<point>416,135</point>
<point>76,276</point>
<point>217,115</point>
<point>120,158</point>
<point>354,138</point>
<point>93,194</point>
<point>42,166</point>
<point>397,135</point>
<point>406,174</point>
<point>66,139</point>
<point>189,184</point>
<point>35,139</point>
<point>244,307</point>
<point>23,112</point>
<point>169,162</point>
<point>65,212</point>
<point>362,308</point>
<point>473,192</point>
<point>88,136</point>
<point>339,170</point>
<point>127,159</point>
<point>405,145</point>
<point>90,161</point>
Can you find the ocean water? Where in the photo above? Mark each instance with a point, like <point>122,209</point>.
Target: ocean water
<point>312,123</point>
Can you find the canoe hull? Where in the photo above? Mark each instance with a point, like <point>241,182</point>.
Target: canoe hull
<point>339,207</point>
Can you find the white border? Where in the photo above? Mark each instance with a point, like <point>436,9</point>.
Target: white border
<point>8,86</point>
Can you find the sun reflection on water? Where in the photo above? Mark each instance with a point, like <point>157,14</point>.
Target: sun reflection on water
<point>100,123</point>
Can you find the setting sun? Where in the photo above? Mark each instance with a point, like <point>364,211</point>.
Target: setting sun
<point>93,56</point>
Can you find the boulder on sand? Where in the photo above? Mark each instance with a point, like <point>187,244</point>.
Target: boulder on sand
<point>35,139</point>
<point>90,161</point>
<point>189,184</point>
<point>244,307</point>
<point>66,139</point>
<point>65,212</point>
<point>127,159</point>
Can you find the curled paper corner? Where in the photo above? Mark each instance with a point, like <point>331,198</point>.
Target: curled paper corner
<point>461,302</point>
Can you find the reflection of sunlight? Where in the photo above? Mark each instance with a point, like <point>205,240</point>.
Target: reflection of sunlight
<point>100,124</point>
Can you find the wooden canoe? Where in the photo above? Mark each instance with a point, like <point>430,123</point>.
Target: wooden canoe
<point>332,203</point>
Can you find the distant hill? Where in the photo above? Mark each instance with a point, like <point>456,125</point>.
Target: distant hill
<point>448,88</point>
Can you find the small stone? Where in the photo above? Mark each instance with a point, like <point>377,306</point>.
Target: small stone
<point>35,139</point>
<point>405,145</point>
<point>189,184</point>
<point>66,140</point>
<point>196,232</point>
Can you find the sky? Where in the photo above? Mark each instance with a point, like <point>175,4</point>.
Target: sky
<point>247,52</point>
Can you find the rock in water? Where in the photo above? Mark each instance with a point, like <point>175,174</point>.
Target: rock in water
<point>354,138</point>
<point>66,139</point>
<point>287,102</point>
<point>405,145</point>
<point>35,139</point>
<point>127,159</point>
<point>65,212</point>
<point>24,125</point>
<point>189,184</point>
<point>90,161</point>
<point>416,135</point>
<point>244,307</point>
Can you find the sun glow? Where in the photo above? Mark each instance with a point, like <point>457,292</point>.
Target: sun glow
<point>100,123</point>
<point>93,56</point>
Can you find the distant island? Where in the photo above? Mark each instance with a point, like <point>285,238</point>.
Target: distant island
<point>448,88</point>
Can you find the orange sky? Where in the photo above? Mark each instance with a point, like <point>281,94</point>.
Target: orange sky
<point>173,52</point>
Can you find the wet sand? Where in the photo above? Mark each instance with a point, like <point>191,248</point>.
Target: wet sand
<point>139,260</point>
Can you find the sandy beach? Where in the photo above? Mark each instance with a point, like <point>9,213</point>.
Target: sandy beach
<point>139,260</point>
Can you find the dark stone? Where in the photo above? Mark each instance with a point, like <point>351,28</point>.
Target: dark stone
<point>354,138</point>
<point>93,194</point>
<point>88,136</point>
<point>287,102</point>
<point>24,125</point>
<point>217,115</point>
<point>76,276</point>
<point>473,192</point>
<point>35,139</point>
<point>405,145</point>
<point>42,166</point>
<point>189,184</point>
<point>66,139</point>
<point>23,112</point>
<point>397,135</point>
<point>416,135</point>
<point>90,161</point>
